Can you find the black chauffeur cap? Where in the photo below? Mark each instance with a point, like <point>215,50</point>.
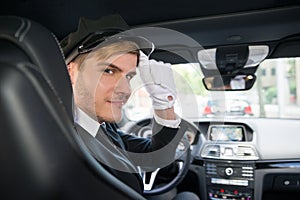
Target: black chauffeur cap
<point>91,33</point>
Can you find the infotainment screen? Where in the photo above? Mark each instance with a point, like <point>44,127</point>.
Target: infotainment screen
<point>226,133</point>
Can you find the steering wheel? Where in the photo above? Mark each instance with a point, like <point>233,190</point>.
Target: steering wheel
<point>143,128</point>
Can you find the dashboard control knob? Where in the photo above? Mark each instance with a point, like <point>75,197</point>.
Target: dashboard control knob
<point>228,171</point>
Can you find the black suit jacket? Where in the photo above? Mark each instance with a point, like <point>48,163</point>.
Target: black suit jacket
<point>120,163</point>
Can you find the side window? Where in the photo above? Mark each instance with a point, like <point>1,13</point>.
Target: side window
<point>279,91</point>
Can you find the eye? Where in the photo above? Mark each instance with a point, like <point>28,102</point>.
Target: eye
<point>129,76</point>
<point>109,71</point>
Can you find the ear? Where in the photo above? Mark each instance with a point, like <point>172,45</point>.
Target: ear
<point>73,71</point>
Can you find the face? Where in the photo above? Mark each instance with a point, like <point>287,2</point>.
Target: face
<point>101,88</point>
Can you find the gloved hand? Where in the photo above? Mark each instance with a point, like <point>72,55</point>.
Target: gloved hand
<point>158,81</point>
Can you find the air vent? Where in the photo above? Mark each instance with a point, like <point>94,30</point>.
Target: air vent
<point>245,151</point>
<point>229,151</point>
<point>212,151</point>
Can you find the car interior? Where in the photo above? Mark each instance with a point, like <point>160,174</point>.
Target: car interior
<point>237,72</point>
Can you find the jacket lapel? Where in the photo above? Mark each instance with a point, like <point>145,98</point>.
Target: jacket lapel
<point>113,159</point>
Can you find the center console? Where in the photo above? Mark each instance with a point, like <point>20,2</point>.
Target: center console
<point>229,163</point>
<point>229,180</point>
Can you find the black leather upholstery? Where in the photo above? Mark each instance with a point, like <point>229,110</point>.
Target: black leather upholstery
<point>41,155</point>
<point>41,49</point>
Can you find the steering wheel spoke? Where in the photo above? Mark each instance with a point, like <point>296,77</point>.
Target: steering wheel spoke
<point>149,181</point>
<point>182,160</point>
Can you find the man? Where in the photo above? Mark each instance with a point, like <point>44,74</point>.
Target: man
<point>101,64</point>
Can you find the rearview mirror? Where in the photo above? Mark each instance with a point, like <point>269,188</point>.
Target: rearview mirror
<point>229,82</point>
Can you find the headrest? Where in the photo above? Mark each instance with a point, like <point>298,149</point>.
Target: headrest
<point>42,50</point>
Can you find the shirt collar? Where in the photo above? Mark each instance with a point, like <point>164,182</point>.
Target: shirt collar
<point>86,122</point>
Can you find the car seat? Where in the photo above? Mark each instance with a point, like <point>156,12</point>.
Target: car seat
<point>41,154</point>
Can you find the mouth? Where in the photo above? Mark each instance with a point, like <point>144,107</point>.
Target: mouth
<point>117,103</point>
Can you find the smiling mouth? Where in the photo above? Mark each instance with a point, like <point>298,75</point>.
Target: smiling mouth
<point>117,103</point>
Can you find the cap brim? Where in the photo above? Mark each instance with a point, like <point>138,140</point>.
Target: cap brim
<point>143,43</point>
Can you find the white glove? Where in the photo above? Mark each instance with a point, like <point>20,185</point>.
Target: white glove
<point>158,81</point>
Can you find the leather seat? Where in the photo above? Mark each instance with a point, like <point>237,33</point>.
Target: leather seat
<point>41,154</point>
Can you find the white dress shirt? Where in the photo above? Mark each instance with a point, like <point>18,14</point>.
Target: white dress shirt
<point>92,126</point>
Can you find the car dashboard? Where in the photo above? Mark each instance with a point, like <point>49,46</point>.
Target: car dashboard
<point>247,158</point>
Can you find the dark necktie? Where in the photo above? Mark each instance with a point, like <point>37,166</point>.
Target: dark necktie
<point>112,135</point>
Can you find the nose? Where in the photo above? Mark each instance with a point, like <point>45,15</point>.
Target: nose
<point>123,87</point>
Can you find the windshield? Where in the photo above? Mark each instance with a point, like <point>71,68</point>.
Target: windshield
<point>274,95</point>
